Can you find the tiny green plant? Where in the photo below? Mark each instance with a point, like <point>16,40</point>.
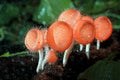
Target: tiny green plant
<point>8,54</point>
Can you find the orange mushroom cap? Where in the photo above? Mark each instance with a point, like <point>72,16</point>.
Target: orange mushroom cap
<point>70,16</point>
<point>103,28</point>
<point>88,18</point>
<point>84,32</point>
<point>52,57</point>
<point>34,39</point>
<point>59,36</point>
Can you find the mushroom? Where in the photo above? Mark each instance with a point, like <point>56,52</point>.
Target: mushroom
<point>70,16</point>
<point>34,42</point>
<point>84,33</point>
<point>60,36</point>
<point>50,58</point>
<point>90,19</point>
<point>103,28</point>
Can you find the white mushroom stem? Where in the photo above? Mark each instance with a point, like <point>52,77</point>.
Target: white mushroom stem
<point>98,44</point>
<point>81,47</point>
<point>67,54</point>
<point>87,50</point>
<point>40,58</point>
<point>45,57</point>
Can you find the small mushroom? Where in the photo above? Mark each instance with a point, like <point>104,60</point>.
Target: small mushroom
<point>90,19</point>
<point>59,36</point>
<point>103,28</point>
<point>34,42</point>
<point>84,33</point>
<point>50,58</point>
<point>70,16</point>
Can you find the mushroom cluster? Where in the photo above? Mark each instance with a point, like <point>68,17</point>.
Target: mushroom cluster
<point>70,28</point>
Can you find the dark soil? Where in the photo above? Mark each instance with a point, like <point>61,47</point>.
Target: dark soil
<point>24,67</point>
